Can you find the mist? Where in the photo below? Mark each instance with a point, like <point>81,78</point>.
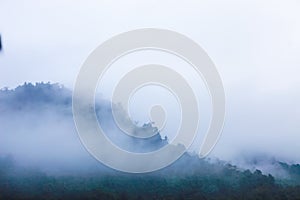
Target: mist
<point>261,122</point>
<point>37,130</point>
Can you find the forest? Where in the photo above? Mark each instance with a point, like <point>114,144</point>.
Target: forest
<point>28,106</point>
<point>188,178</point>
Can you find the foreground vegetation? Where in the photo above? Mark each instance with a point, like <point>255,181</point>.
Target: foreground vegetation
<point>189,178</point>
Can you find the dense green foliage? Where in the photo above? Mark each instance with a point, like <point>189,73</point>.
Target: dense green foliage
<point>189,178</point>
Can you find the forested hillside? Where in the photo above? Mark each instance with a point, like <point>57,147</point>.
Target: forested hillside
<point>188,178</point>
<point>34,164</point>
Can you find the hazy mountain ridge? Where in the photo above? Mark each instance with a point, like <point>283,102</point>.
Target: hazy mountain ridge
<point>42,96</point>
<point>28,104</point>
<point>35,96</point>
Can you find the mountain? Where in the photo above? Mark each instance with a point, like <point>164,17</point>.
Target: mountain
<point>54,101</point>
<point>38,96</point>
<point>41,157</point>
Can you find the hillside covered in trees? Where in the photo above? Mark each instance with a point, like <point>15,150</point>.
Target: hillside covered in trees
<point>34,164</point>
<point>188,178</point>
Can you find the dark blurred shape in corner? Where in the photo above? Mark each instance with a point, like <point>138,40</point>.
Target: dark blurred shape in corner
<point>0,43</point>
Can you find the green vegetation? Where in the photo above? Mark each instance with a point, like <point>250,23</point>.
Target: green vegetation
<point>188,178</point>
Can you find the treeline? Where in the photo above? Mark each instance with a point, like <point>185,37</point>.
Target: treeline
<point>188,178</point>
<point>34,96</point>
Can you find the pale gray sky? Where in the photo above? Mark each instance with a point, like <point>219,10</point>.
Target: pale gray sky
<point>254,44</point>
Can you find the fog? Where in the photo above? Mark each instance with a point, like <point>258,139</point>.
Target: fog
<point>262,122</point>
<point>254,45</point>
<point>37,130</point>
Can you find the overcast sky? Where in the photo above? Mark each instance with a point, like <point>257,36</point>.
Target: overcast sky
<point>254,44</point>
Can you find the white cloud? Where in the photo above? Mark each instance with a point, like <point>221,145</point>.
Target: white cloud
<point>254,44</point>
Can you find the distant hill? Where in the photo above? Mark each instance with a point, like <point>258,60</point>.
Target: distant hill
<point>46,103</point>
<point>37,99</point>
<point>30,96</point>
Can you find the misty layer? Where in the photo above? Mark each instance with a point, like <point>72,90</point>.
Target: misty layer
<point>37,130</point>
